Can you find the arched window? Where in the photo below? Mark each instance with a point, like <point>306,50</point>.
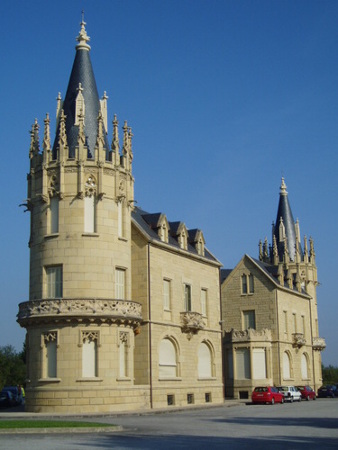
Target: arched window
<point>304,366</point>
<point>286,366</point>
<point>167,359</point>
<point>204,361</point>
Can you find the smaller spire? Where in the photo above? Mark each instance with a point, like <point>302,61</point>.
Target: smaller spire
<point>83,38</point>
<point>35,145</point>
<point>46,138</point>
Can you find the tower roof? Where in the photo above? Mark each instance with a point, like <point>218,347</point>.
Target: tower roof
<point>285,225</point>
<point>82,80</point>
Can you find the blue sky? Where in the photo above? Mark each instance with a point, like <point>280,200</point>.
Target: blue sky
<point>224,98</point>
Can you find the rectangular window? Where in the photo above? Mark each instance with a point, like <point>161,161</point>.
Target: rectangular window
<point>50,346</point>
<point>249,320</point>
<point>259,363</point>
<point>251,284</point>
<point>190,399</point>
<point>207,397</point>
<point>244,285</point>
<point>294,322</point>
<point>187,297</point>
<point>285,315</point>
<point>120,276</point>
<point>166,295</point>
<point>170,399</point>
<point>54,281</point>
<point>243,363</point>
<point>89,354</point>
<point>54,215</point>
<point>204,302</point>
<point>89,207</point>
<point>120,228</point>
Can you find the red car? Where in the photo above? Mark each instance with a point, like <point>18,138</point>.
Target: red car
<point>307,392</point>
<point>267,394</point>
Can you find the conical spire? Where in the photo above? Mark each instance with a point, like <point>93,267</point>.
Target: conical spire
<point>82,76</point>
<point>284,230</point>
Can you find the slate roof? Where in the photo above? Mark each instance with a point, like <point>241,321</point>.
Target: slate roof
<point>82,72</point>
<point>284,212</point>
<point>147,223</point>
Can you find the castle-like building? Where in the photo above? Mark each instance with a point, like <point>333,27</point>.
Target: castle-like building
<point>125,309</point>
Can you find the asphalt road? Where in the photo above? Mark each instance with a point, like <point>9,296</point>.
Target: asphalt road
<point>299,426</point>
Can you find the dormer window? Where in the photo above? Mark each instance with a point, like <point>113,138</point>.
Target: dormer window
<point>163,229</point>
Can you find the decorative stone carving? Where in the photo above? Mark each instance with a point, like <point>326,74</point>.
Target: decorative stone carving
<point>298,340</point>
<point>318,343</point>
<point>249,335</point>
<point>191,322</point>
<point>80,310</point>
<point>89,336</point>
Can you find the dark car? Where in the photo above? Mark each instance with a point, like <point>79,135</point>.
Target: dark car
<point>307,392</point>
<point>17,395</point>
<point>327,391</point>
<point>6,399</point>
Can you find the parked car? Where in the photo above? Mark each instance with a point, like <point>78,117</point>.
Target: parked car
<point>327,391</point>
<point>266,394</point>
<point>307,392</point>
<point>6,399</point>
<point>291,393</point>
<point>17,395</point>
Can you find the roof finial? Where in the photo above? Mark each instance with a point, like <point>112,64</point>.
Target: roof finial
<point>83,38</point>
<point>283,188</point>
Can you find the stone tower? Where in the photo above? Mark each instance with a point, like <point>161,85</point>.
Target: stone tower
<point>80,321</point>
<point>296,269</point>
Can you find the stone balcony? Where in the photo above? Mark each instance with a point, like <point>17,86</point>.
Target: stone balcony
<point>318,343</point>
<point>66,310</point>
<point>298,340</point>
<point>250,335</point>
<point>191,322</point>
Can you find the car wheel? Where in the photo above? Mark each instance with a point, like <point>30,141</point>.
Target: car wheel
<point>272,401</point>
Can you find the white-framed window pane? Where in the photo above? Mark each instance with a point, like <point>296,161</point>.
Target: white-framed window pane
<point>166,294</point>
<point>249,320</point>
<point>304,367</point>
<point>259,363</point>
<point>89,359</point>
<point>286,366</point>
<point>204,361</point>
<point>243,363</point>
<point>54,215</point>
<point>54,282</point>
<point>204,302</point>
<point>167,359</point>
<point>187,297</point>
<point>89,220</point>
<point>120,284</point>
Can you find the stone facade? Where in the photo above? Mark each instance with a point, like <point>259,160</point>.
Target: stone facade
<point>270,318</point>
<point>124,309</point>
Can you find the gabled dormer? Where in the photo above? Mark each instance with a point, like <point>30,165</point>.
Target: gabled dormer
<point>159,223</point>
<point>179,231</point>
<point>196,239</point>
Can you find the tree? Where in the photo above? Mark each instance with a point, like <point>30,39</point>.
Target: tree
<point>12,367</point>
<point>330,374</point>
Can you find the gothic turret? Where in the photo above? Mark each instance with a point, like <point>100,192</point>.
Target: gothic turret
<point>81,99</point>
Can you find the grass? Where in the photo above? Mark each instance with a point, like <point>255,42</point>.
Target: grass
<point>7,424</point>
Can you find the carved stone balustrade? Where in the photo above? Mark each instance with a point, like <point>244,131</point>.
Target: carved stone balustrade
<point>248,335</point>
<point>318,343</point>
<point>191,322</point>
<point>80,310</point>
<point>298,340</point>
